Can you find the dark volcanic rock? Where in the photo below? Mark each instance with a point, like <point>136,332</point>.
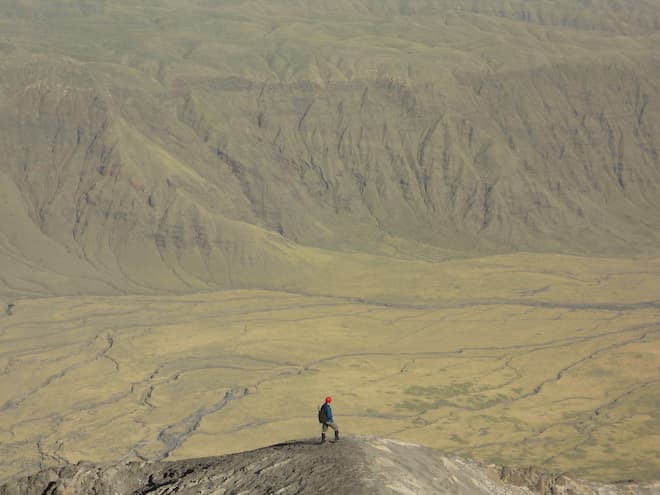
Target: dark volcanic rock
<point>359,465</point>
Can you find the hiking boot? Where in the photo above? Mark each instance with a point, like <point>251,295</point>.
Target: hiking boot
<point>322,437</point>
<point>336,435</point>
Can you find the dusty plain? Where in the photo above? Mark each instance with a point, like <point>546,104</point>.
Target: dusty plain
<point>518,359</point>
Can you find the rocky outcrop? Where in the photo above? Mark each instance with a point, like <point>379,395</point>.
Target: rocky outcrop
<point>358,465</point>
<point>545,483</point>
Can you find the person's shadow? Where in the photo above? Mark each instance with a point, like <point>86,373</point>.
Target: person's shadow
<point>297,442</point>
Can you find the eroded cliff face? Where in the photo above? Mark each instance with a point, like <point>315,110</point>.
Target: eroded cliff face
<point>149,148</point>
<point>543,157</point>
<point>355,465</point>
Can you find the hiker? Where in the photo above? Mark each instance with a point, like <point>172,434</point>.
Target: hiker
<point>327,420</point>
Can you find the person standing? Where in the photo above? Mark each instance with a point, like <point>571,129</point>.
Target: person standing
<point>327,419</point>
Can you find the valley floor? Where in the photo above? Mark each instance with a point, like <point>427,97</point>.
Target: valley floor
<point>517,360</point>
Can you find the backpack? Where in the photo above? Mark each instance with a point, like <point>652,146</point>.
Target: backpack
<point>323,414</point>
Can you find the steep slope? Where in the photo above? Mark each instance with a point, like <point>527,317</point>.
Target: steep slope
<point>149,148</point>
<point>362,465</point>
<point>103,203</point>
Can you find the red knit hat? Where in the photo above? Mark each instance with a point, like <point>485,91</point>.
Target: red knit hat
<point>328,399</point>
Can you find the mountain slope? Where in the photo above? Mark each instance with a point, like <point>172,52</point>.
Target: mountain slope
<point>150,148</point>
<point>354,465</point>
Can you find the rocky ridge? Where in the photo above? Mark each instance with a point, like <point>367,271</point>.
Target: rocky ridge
<point>357,465</point>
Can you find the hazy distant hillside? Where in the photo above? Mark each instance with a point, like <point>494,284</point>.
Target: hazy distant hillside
<point>157,146</point>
